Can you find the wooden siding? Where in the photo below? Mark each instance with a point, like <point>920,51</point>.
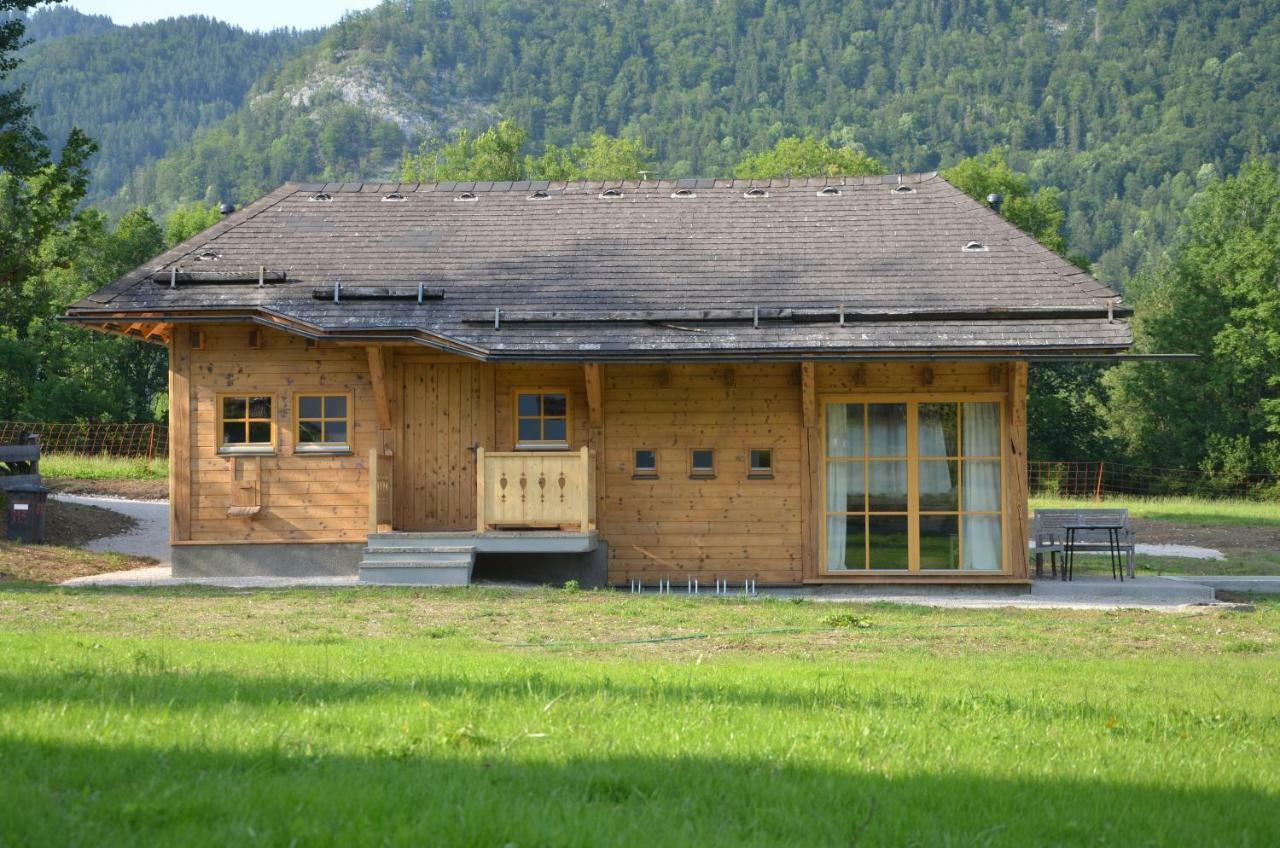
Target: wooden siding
<point>304,497</point>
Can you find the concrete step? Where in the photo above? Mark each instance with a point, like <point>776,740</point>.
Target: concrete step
<point>410,565</point>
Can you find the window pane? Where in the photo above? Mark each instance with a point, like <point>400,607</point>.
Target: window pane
<point>309,432</point>
<point>939,541</point>
<point>887,485</point>
<point>646,460</point>
<point>335,432</point>
<point>846,542</point>
<point>845,489</point>
<point>938,423</point>
<point>982,485</point>
<point>982,543</point>
<point>260,432</point>
<point>233,407</point>
<point>530,429</point>
<point>888,541</point>
<point>887,427</point>
<point>939,485</point>
<point>309,407</point>
<point>335,406</point>
<point>259,407</point>
<point>530,405</point>
<point>553,430</point>
<point>982,429</point>
<point>844,429</point>
<point>233,432</point>
<point>761,460</point>
<point>703,460</point>
<point>555,405</point>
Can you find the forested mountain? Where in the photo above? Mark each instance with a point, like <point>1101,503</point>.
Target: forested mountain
<point>140,91</point>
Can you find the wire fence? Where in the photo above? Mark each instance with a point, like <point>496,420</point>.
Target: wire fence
<point>1098,479</point>
<point>126,440</point>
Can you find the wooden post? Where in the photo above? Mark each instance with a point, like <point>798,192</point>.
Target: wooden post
<point>1016,469</point>
<point>381,403</point>
<point>811,512</point>
<point>584,481</point>
<point>480,518</point>
<point>1097,489</point>
<point>373,491</point>
<point>595,390</point>
<point>180,437</point>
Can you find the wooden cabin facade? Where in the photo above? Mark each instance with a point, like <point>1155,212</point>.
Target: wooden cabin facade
<point>517,382</point>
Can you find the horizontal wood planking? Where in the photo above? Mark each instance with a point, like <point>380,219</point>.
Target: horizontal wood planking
<point>304,496</point>
<point>675,526</point>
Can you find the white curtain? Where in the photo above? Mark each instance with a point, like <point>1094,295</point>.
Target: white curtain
<point>839,444</point>
<point>981,437</point>
<point>935,477</point>
<point>887,437</point>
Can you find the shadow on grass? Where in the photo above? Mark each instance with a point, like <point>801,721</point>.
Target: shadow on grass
<point>469,792</point>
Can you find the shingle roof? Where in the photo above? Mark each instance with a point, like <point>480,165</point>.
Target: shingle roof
<point>580,275</point>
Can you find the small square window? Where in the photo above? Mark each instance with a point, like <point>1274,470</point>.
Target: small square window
<point>542,419</point>
<point>702,462</point>
<point>760,462</point>
<point>246,422</point>
<point>323,424</point>
<point>646,463</point>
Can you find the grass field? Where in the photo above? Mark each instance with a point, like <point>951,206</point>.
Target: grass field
<point>87,467</point>
<point>491,718</point>
<point>1179,510</point>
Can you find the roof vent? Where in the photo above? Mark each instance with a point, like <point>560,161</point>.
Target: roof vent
<point>208,256</point>
<point>994,201</point>
<point>611,193</point>
<point>903,188</point>
<point>394,197</point>
<point>226,209</point>
<point>468,196</point>
<point>975,247</point>
<point>829,191</point>
<point>540,195</point>
<point>755,192</point>
<point>321,197</point>
<point>684,192</point>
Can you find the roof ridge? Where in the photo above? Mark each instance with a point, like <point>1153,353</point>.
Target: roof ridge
<point>918,178</point>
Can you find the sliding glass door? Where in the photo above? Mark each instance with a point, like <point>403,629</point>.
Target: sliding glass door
<point>913,485</point>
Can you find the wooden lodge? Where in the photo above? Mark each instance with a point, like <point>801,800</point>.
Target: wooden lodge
<point>789,381</point>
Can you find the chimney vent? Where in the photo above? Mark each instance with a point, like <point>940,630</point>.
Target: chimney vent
<point>994,201</point>
<point>226,209</point>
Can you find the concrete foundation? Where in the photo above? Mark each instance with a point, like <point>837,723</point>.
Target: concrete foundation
<point>253,560</point>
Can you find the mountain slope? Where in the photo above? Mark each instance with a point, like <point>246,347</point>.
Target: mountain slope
<point>140,91</point>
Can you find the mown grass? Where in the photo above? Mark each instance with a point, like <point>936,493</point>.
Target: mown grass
<point>102,467</point>
<point>487,717</point>
<point>1182,510</point>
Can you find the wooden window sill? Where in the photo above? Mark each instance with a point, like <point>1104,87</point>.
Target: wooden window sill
<point>248,450</point>
<point>644,477</point>
<point>702,476</point>
<point>558,446</point>
<point>759,475</point>
<point>336,450</point>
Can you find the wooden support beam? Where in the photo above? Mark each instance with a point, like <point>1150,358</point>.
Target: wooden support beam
<point>381,401</point>
<point>595,393</point>
<point>811,512</point>
<point>1016,470</point>
<point>809,393</point>
<point>180,437</point>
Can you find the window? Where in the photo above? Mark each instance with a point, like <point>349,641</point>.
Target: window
<point>702,462</point>
<point>913,485</point>
<point>323,423</point>
<point>245,423</point>
<point>645,464</point>
<point>760,463</point>
<point>542,419</point>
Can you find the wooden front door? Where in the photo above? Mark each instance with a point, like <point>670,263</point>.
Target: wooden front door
<point>441,425</point>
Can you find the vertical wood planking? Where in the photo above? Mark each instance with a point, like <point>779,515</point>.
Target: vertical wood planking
<point>1016,470</point>
<point>810,468</point>
<point>181,435</point>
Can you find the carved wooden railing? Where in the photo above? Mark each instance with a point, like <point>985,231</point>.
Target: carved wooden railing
<point>544,489</point>
<point>379,492</point>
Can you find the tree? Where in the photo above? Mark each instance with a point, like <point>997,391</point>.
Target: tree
<point>807,157</point>
<point>1215,295</point>
<point>1039,212</point>
<point>186,221</point>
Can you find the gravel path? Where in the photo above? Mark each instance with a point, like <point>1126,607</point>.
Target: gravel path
<point>150,538</point>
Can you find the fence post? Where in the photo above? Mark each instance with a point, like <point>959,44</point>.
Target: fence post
<point>151,445</point>
<point>1097,490</point>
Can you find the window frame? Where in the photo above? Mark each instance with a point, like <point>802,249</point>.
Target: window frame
<point>638,473</point>
<point>696,473</point>
<point>913,401</point>
<point>762,472</point>
<point>299,446</point>
<point>542,444</point>
<point>247,448</point>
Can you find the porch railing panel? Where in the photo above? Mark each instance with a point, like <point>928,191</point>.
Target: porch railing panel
<point>380,502</point>
<point>542,489</point>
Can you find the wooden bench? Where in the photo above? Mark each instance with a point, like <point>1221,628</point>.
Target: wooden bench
<point>20,464</point>
<point>1049,534</point>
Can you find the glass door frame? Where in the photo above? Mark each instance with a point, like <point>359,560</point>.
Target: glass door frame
<point>912,400</point>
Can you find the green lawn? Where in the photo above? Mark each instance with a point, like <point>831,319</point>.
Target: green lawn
<point>88,467</point>
<point>489,718</point>
<point>1184,510</point>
